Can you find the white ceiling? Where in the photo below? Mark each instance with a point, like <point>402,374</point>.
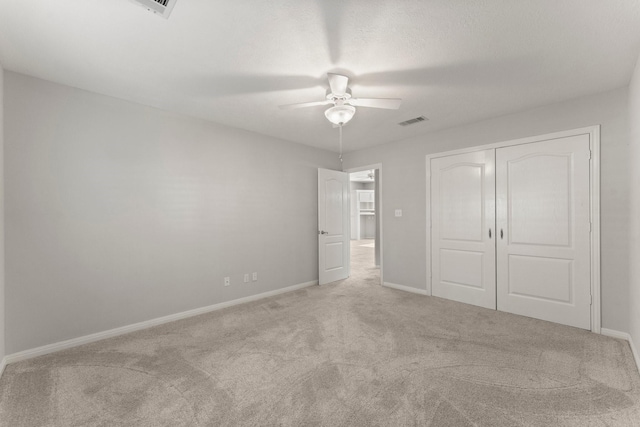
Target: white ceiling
<point>234,62</point>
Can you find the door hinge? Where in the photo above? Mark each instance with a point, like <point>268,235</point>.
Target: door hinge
<point>590,299</point>
<point>589,154</point>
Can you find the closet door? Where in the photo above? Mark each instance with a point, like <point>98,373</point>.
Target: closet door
<point>543,239</point>
<point>463,228</point>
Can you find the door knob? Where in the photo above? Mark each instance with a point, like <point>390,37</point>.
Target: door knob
<point>323,232</point>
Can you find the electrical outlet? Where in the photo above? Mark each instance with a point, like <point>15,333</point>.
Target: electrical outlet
<point>246,277</point>
<point>227,281</point>
<point>255,276</point>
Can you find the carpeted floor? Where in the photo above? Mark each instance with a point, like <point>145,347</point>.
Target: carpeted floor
<point>346,354</point>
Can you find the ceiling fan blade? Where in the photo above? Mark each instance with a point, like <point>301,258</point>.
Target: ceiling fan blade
<point>388,103</point>
<point>338,84</point>
<point>305,104</point>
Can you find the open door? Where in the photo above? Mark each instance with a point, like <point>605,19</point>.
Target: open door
<point>333,225</point>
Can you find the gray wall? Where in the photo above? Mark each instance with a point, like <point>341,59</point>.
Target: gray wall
<point>403,187</point>
<point>634,193</point>
<point>118,213</point>
<point>2,304</point>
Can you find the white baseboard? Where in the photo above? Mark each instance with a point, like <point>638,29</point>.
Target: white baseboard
<point>615,334</point>
<point>405,288</point>
<point>74,342</point>
<point>624,336</point>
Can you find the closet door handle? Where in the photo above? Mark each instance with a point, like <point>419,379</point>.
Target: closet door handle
<point>501,234</point>
<point>489,233</point>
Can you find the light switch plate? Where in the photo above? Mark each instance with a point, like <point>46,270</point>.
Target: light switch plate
<point>398,212</point>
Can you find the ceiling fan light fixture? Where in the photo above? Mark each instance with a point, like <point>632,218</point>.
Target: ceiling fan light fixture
<point>340,114</point>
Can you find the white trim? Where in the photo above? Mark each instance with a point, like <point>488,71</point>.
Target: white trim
<point>405,288</point>
<point>428,289</point>
<point>380,199</point>
<point>623,336</point>
<point>615,334</point>
<point>3,364</point>
<point>528,140</point>
<point>635,353</point>
<point>594,191</point>
<point>74,342</point>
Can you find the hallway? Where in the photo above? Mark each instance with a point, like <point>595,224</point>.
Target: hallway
<point>363,262</point>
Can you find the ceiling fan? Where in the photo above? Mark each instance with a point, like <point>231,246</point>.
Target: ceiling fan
<point>344,104</point>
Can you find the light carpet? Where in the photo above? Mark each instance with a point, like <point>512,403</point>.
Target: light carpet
<point>351,353</point>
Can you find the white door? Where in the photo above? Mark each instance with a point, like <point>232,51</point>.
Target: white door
<point>463,228</point>
<point>333,225</point>
<point>543,243</point>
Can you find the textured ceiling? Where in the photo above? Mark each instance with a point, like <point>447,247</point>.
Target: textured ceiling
<point>234,62</point>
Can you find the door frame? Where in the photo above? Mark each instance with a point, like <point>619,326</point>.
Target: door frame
<point>380,201</point>
<point>594,206</point>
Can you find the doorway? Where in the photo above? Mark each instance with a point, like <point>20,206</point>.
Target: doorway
<point>365,223</point>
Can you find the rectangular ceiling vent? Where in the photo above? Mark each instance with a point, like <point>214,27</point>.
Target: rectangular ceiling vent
<point>159,7</point>
<point>413,121</point>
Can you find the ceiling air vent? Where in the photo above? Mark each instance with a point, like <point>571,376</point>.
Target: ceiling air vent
<point>159,7</point>
<point>413,121</point>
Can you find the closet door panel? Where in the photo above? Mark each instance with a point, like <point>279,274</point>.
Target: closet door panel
<point>543,254</point>
<point>462,215</point>
<point>540,200</point>
<point>546,278</point>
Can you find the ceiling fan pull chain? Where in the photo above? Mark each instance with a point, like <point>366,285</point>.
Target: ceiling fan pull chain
<point>340,157</point>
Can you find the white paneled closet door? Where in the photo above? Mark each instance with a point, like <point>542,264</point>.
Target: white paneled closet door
<point>463,228</point>
<point>543,223</point>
